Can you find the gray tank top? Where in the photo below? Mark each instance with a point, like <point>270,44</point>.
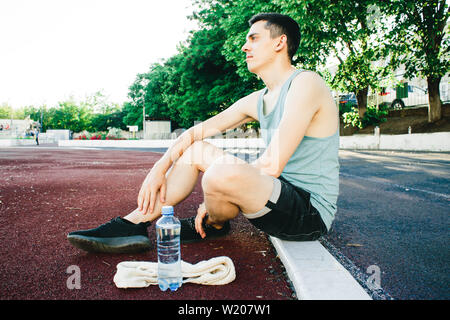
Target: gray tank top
<point>314,166</point>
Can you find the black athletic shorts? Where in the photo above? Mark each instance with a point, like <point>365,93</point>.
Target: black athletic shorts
<point>288,214</point>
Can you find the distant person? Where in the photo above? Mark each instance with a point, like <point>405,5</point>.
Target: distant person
<point>289,192</point>
<point>36,135</point>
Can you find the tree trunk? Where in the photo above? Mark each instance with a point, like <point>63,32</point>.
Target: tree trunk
<point>361,98</point>
<point>434,100</point>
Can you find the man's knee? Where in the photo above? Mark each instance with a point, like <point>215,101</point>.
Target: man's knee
<point>221,177</point>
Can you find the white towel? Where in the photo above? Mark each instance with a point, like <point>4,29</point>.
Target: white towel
<point>140,274</point>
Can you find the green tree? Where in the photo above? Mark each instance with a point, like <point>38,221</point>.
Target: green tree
<point>160,83</point>
<point>103,114</point>
<point>98,103</point>
<point>350,30</point>
<point>38,114</point>
<point>208,83</point>
<point>69,116</point>
<point>420,40</point>
<point>231,17</point>
<point>102,122</point>
<point>134,108</point>
<point>132,115</point>
<point>193,85</point>
<point>31,111</point>
<point>6,111</point>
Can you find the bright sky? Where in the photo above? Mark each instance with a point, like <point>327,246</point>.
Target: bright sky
<point>52,49</point>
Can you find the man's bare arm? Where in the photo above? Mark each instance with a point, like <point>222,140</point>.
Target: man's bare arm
<point>242,111</point>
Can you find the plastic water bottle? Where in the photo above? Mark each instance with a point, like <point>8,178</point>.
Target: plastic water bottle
<point>169,257</point>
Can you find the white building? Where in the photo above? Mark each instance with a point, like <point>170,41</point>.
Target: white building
<point>16,128</point>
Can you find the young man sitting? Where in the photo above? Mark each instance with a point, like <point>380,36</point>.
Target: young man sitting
<point>289,192</point>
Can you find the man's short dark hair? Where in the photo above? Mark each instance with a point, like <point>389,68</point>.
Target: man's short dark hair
<point>279,24</point>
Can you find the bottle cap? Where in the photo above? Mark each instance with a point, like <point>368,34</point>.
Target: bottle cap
<point>167,210</point>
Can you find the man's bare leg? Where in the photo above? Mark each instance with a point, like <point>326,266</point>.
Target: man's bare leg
<point>181,178</point>
<point>230,186</point>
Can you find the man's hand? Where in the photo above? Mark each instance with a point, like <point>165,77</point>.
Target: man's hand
<point>201,214</point>
<point>154,182</point>
<point>156,178</point>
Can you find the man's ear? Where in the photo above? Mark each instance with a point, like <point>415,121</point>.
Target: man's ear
<point>282,43</point>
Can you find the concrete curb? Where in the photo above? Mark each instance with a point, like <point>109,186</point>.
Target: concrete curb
<point>315,273</point>
<point>435,142</point>
<point>16,142</point>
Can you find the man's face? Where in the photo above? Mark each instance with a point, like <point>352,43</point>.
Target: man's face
<point>259,47</point>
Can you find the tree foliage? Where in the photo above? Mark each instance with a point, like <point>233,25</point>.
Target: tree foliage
<point>6,111</point>
<point>209,72</point>
<point>193,85</point>
<point>420,41</point>
<point>420,38</point>
<point>94,114</point>
<point>351,30</point>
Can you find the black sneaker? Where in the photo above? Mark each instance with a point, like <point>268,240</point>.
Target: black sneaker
<point>115,236</point>
<point>189,234</point>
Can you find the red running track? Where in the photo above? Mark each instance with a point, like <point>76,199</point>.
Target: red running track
<point>46,193</point>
